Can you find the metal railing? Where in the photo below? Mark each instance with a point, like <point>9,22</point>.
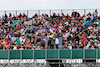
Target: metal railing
<point>30,13</point>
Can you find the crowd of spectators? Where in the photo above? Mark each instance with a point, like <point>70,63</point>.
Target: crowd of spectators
<point>49,32</point>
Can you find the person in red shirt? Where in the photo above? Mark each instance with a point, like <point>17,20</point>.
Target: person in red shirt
<point>83,40</point>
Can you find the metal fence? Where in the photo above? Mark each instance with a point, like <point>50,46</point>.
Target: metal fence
<point>51,54</point>
<point>30,13</point>
<point>28,58</point>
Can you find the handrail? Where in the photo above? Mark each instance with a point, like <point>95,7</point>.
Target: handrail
<point>30,13</point>
<point>52,9</point>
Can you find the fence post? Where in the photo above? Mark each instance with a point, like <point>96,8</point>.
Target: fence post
<point>59,63</point>
<point>16,12</point>
<point>50,12</point>
<point>46,43</point>
<point>97,56</point>
<point>73,10</point>
<point>27,13</point>
<point>96,53</point>
<point>5,12</point>
<point>85,12</point>
<point>38,12</point>
<point>9,56</point>
<point>60,42</point>
<point>46,54</point>
<point>83,53</point>
<point>21,54</point>
<point>61,12</point>
<point>71,54</point>
<point>58,54</point>
<point>33,53</point>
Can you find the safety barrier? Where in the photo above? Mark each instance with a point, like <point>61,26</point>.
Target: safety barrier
<point>50,54</point>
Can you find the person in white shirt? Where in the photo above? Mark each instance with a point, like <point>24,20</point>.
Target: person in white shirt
<point>8,36</point>
<point>88,45</point>
<point>74,29</point>
<point>15,47</point>
<point>22,32</point>
<point>98,44</point>
<point>97,22</point>
<point>92,47</point>
<point>13,38</point>
<point>85,47</point>
<point>95,43</point>
<point>49,35</point>
<point>56,42</point>
<point>61,26</point>
<point>84,17</point>
<point>67,33</point>
<point>22,39</point>
<point>69,47</point>
<point>38,48</point>
<point>95,13</point>
<point>51,29</point>
<point>95,29</point>
<point>90,28</point>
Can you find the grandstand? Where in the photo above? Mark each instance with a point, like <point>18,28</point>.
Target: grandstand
<point>50,38</point>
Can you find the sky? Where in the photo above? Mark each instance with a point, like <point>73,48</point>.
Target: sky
<point>48,4</point>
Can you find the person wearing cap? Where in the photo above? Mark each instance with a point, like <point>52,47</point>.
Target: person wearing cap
<point>96,44</point>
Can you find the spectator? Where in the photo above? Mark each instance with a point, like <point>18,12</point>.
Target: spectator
<point>41,32</point>
<point>56,42</point>
<point>96,13</point>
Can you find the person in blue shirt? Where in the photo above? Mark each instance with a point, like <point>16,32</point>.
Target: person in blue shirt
<point>84,22</point>
<point>11,34</point>
<point>35,29</point>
